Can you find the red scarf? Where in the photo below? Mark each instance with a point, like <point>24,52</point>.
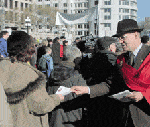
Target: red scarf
<point>138,80</point>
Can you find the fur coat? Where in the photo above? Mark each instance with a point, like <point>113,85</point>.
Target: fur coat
<point>25,88</point>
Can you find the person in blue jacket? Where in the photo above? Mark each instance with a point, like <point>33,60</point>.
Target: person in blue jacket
<point>3,44</point>
<point>49,61</point>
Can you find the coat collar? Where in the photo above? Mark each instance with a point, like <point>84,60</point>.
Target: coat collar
<point>142,54</point>
<point>16,97</point>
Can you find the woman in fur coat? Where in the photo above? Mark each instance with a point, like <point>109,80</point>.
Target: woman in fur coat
<point>24,85</point>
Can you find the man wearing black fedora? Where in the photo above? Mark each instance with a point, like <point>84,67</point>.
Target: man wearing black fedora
<point>135,68</point>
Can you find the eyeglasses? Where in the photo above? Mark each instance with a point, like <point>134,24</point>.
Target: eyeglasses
<point>122,37</point>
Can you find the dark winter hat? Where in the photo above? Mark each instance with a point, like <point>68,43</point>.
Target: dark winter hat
<point>62,37</point>
<point>126,26</point>
<point>105,42</point>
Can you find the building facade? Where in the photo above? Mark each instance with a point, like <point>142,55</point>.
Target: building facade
<point>108,14</point>
<point>106,19</point>
<point>112,11</point>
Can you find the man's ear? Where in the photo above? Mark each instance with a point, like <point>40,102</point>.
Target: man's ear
<point>136,34</point>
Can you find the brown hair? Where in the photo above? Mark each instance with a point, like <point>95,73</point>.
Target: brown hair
<point>20,46</point>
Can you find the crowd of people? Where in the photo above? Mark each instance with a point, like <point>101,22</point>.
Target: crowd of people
<point>52,84</point>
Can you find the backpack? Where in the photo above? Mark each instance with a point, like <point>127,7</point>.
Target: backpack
<point>42,65</point>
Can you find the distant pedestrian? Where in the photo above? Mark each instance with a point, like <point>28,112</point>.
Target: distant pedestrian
<point>46,62</point>
<point>50,42</point>
<point>62,39</point>
<point>3,44</point>
<point>41,50</point>
<point>56,51</point>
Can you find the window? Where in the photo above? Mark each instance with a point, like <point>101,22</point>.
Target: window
<point>133,3</point>
<point>80,26</point>
<point>125,10</point>
<point>56,5</point>
<point>21,6</point>
<point>120,9</point>
<point>125,16</point>
<point>26,5</point>
<point>107,25</point>
<point>85,4</point>
<point>16,4</point>
<point>125,2</point>
<point>80,11</point>
<point>119,17</point>
<point>96,2</point>
<point>107,2</point>
<point>39,0</point>
<point>79,32</point>
<point>119,2</point>
<point>6,3</point>
<point>107,10</point>
<point>16,16</point>
<point>107,17</point>
<point>65,4</point>
<point>48,26</point>
<point>133,12</point>
<point>71,4</point>
<point>86,33</point>
<point>86,26</point>
<point>30,7</point>
<point>79,4</point>
<point>75,5</point>
<point>65,11</point>
<point>11,4</point>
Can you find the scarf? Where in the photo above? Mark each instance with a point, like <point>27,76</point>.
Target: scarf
<point>138,80</point>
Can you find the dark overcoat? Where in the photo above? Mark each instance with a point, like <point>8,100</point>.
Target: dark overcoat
<point>56,53</point>
<point>140,111</point>
<point>104,80</point>
<point>69,113</point>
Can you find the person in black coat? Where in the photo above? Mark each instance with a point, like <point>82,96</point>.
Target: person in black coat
<point>104,80</point>
<point>56,51</point>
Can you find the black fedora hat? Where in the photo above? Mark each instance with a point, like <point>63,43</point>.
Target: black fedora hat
<point>126,26</point>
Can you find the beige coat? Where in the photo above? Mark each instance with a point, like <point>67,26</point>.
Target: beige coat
<point>26,94</point>
<point>5,113</point>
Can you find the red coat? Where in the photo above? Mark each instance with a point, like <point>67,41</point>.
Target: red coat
<point>138,80</point>
<point>61,50</point>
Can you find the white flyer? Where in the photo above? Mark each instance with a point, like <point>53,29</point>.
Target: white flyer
<point>63,90</point>
<point>121,96</point>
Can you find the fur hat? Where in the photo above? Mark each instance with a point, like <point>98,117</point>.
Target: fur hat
<point>126,26</point>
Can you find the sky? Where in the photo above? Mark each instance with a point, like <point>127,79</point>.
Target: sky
<point>143,9</point>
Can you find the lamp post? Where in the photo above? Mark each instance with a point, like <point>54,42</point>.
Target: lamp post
<point>27,23</point>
